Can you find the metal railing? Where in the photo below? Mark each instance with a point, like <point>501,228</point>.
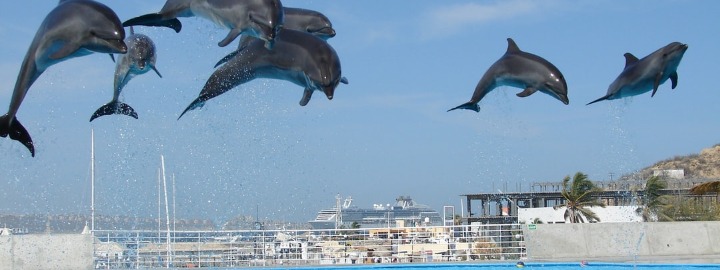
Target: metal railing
<point>248,248</point>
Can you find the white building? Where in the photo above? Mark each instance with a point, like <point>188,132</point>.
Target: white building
<point>607,214</point>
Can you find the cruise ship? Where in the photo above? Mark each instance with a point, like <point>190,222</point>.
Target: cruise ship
<point>405,210</point>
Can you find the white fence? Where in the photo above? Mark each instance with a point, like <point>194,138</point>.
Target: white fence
<point>248,248</point>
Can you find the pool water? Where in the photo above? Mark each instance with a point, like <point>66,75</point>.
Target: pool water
<point>505,266</point>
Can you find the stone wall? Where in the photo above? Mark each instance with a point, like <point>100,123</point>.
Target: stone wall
<point>46,251</point>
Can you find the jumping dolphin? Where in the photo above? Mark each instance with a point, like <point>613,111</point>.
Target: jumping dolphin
<point>298,19</point>
<point>641,76</point>
<point>139,59</point>
<point>73,28</point>
<point>259,18</point>
<point>523,70</point>
<point>299,57</point>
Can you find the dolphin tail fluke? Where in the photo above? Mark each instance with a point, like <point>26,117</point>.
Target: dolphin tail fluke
<point>468,106</point>
<point>114,107</point>
<point>17,132</point>
<point>154,19</point>
<point>599,99</point>
<point>197,103</point>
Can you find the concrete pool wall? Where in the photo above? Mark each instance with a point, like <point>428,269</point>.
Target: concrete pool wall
<point>639,241</point>
<point>46,251</point>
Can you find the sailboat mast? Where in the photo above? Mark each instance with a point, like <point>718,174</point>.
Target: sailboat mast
<point>173,199</point>
<point>159,175</point>
<point>167,213</point>
<point>92,180</point>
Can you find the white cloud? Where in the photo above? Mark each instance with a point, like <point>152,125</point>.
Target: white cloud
<point>451,19</point>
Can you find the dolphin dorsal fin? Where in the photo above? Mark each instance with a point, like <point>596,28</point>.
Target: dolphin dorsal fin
<point>512,47</point>
<point>630,59</point>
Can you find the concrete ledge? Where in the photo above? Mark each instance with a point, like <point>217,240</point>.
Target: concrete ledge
<point>46,251</point>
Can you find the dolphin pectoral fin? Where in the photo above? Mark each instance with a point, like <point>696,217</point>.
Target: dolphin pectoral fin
<point>468,106</point>
<point>227,58</point>
<point>656,84</point>
<point>232,35</point>
<point>174,24</point>
<point>154,19</point>
<point>307,94</point>
<point>528,91</point>
<point>156,71</point>
<point>143,20</point>
<point>112,56</point>
<point>344,80</point>
<point>114,107</point>
<point>599,99</point>
<point>63,52</point>
<point>17,132</point>
<point>197,103</point>
<point>673,79</point>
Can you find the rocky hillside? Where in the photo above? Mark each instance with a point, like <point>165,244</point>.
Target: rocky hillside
<point>703,165</point>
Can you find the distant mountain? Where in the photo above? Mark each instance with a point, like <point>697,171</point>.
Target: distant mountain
<point>74,223</point>
<point>703,165</point>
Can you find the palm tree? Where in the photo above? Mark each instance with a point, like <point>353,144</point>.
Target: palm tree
<point>457,220</point>
<point>578,199</point>
<point>355,225</point>
<point>653,203</point>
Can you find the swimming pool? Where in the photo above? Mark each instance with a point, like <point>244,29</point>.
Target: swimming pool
<point>511,265</point>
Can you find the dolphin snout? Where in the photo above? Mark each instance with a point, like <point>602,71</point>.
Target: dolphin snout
<point>271,36</point>
<point>327,31</point>
<point>565,100</point>
<point>269,44</point>
<point>329,92</point>
<point>122,48</point>
<point>115,46</point>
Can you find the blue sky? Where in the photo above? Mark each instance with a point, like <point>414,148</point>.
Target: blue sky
<point>385,134</point>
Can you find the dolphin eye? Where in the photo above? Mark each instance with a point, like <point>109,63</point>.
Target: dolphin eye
<point>557,78</point>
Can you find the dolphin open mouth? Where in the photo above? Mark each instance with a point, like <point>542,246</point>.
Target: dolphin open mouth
<point>683,47</point>
<point>109,46</point>
<point>678,47</point>
<point>325,31</point>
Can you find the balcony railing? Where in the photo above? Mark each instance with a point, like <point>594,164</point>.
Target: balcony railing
<point>248,248</point>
